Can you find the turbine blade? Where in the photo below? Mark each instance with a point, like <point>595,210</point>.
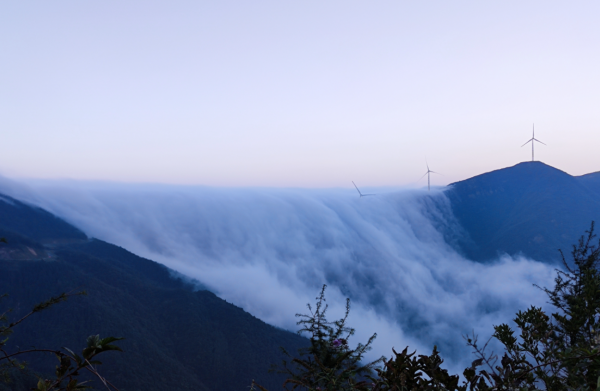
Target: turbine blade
<point>357,188</point>
<point>423,176</point>
<point>538,141</point>
<point>528,141</point>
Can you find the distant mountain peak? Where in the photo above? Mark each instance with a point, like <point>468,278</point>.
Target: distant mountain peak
<point>519,170</point>
<point>530,208</point>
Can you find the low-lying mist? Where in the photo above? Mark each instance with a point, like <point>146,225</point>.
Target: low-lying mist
<point>269,251</point>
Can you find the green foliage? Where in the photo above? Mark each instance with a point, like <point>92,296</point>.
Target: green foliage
<point>329,363</point>
<point>70,364</point>
<point>407,371</point>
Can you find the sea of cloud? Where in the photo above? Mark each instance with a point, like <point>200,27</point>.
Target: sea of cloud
<point>269,251</point>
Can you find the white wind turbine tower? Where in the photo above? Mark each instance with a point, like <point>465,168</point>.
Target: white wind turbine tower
<point>532,141</point>
<point>428,176</point>
<point>359,193</point>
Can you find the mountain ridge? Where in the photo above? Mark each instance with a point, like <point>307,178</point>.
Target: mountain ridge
<point>522,210</point>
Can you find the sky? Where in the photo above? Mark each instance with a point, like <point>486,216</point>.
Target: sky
<point>295,93</point>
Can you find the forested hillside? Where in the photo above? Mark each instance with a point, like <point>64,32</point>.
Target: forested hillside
<point>175,337</point>
<point>530,208</point>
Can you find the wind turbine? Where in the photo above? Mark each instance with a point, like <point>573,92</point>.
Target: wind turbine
<point>531,140</point>
<point>428,175</point>
<point>359,193</point>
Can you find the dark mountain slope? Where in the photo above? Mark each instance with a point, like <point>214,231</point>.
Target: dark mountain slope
<point>35,223</point>
<point>530,208</point>
<point>176,338</point>
<point>591,181</point>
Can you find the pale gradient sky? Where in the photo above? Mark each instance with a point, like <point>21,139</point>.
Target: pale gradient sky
<point>295,93</point>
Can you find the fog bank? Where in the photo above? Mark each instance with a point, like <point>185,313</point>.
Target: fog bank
<point>270,250</point>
